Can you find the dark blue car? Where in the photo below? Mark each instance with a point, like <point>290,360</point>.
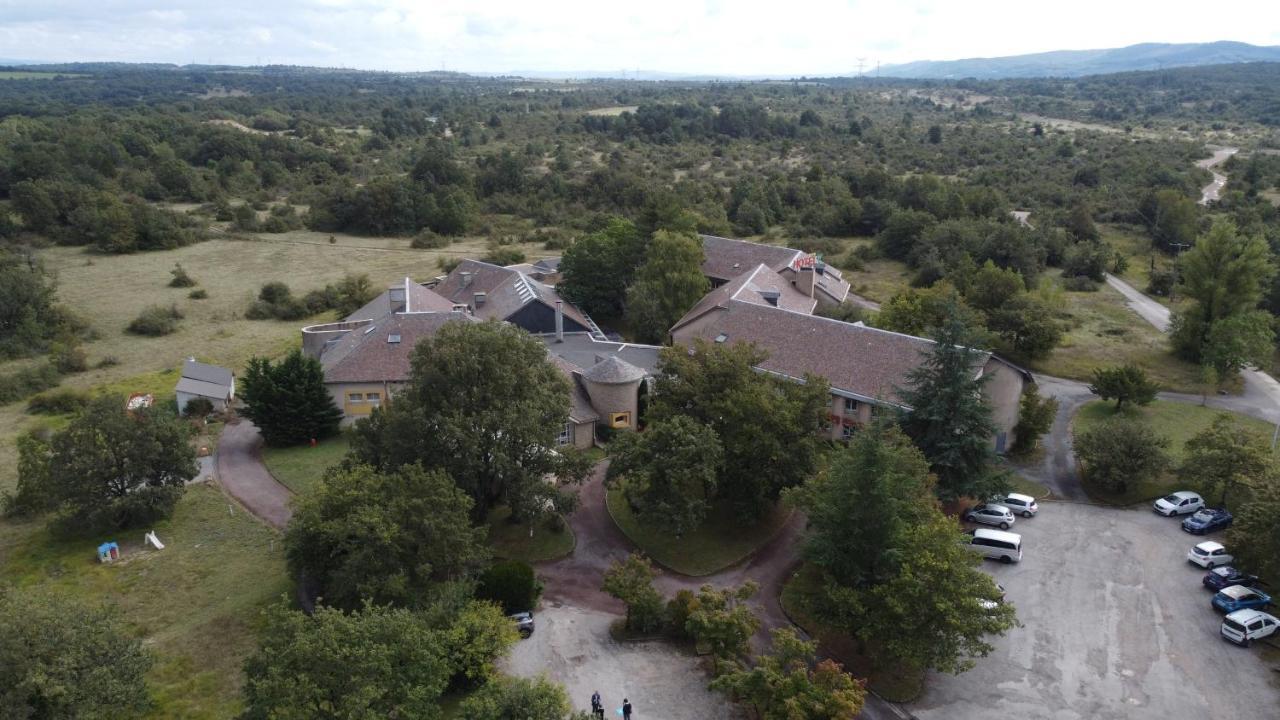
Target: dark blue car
<point>1239,597</point>
<point>1226,576</point>
<point>1207,520</point>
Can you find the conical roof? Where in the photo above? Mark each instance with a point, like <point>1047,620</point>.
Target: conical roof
<point>613,371</point>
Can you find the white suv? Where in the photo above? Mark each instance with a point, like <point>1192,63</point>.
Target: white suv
<point>1209,555</point>
<point>1243,626</point>
<point>1023,505</point>
<point>1182,502</point>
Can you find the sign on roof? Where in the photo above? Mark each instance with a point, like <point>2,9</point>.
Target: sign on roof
<point>807,260</point>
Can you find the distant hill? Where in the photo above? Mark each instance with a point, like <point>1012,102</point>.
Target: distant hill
<point>1075,63</point>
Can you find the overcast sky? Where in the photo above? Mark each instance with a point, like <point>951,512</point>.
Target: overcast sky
<point>680,36</point>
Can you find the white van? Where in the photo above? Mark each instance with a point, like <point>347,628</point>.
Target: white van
<point>997,544</point>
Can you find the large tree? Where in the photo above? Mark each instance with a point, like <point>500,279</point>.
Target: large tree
<point>597,269</point>
<point>949,418</point>
<point>1119,452</point>
<point>374,662</point>
<point>65,660</point>
<point>668,283</point>
<point>288,400</point>
<point>1254,537</point>
<point>631,581</point>
<point>1171,218</point>
<point>790,683</point>
<point>1224,275</point>
<point>768,427</point>
<point>111,469</point>
<point>483,403</point>
<point>1126,383</point>
<point>387,537</point>
<point>516,697</point>
<point>1224,457</point>
<point>670,471</point>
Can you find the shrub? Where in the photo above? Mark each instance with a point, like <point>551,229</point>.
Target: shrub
<point>503,255</point>
<point>198,294</point>
<point>108,361</point>
<point>27,382</point>
<point>678,610</point>
<point>198,407</point>
<point>1161,283</point>
<point>428,240</point>
<point>58,402</point>
<point>1079,283</point>
<point>274,292</point>
<point>69,357</point>
<point>156,320</point>
<point>1119,452</point>
<point>180,277</point>
<point>512,584</point>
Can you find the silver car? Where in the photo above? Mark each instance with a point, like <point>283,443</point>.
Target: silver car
<point>990,514</point>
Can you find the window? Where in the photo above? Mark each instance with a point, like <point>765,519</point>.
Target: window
<point>620,420</point>
<point>851,406</point>
<point>375,398</point>
<point>355,397</point>
<point>846,432</point>
<point>566,433</point>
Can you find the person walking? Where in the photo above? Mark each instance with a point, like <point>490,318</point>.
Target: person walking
<point>626,709</point>
<point>597,705</point>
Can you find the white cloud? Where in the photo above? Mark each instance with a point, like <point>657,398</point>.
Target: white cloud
<point>694,36</point>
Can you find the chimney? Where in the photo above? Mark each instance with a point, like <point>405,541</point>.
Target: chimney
<point>805,280</point>
<point>466,278</point>
<point>770,296</point>
<point>479,299</point>
<point>559,321</point>
<point>398,298</point>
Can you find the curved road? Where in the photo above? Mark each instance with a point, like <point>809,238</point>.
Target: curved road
<point>244,476</point>
<point>1211,192</point>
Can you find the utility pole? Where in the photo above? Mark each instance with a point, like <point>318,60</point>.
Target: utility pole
<point>861,62</point>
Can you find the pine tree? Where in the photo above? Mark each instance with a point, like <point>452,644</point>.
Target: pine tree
<point>949,419</point>
<point>288,400</point>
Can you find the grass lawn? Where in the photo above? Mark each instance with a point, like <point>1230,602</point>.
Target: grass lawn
<point>1176,421</point>
<point>194,602</point>
<point>720,542</point>
<point>300,468</point>
<point>1104,332</point>
<point>513,542</point>
<point>892,683</point>
<point>1029,487</point>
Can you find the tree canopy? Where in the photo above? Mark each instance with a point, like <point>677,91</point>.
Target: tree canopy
<point>671,470</point>
<point>1125,383</point>
<point>790,683</point>
<point>668,283</point>
<point>288,400</point>
<point>1225,457</point>
<point>596,270</point>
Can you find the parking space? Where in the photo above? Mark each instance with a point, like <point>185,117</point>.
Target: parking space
<point>1115,625</point>
<point>572,646</point>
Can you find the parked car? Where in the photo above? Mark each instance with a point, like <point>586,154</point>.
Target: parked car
<point>996,544</point>
<point>1239,597</point>
<point>990,514</point>
<point>1182,502</point>
<point>524,623</point>
<point>1206,520</point>
<point>1226,576</point>
<point>1243,626</point>
<point>1020,504</point>
<point>1209,555</point>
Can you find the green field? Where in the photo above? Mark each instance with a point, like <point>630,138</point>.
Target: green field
<point>193,603</point>
<point>34,75</point>
<point>1178,422</point>
<point>300,468</point>
<point>721,541</point>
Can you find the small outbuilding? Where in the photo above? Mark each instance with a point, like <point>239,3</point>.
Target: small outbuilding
<point>216,384</point>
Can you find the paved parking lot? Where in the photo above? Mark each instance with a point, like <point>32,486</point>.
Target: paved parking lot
<point>1116,625</point>
<point>572,646</point>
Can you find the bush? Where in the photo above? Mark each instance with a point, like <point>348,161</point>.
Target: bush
<point>1079,283</point>
<point>198,294</point>
<point>503,255</point>
<point>1121,452</point>
<point>180,277</point>
<point>1161,283</point>
<point>274,292</point>
<point>198,407</point>
<point>27,382</point>
<point>156,320</point>
<point>108,361</point>
<point>68,357</point>
<point>428,240</point>
<point>679,608</point>
<point>512,584</point>
<point>58,402</point>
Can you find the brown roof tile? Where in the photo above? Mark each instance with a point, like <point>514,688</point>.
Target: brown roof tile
<point>506,291</point>
<point>752,286</point>
<point>726,258</point>
<point>367,355</point>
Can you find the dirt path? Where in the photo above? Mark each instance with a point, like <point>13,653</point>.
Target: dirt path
<point>245,477</point>
<point>1211,192</point>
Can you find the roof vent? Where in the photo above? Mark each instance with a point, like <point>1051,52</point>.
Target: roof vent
<point>466,279</point>
<point>770,296</point>
<point>480,298</point>
<point>721,338</point>
<point>393,339</point>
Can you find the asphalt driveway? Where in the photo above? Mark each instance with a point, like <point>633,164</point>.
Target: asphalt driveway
<point>1116,625</point>
<point>572,646</point>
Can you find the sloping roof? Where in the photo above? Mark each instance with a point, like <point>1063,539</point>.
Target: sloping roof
<point>613,370</point>
<point>506,290</point>
<point>214,391</point>
<point>582,351</point>
<point>367,355</point>
<point>580,408</point>
<point>831,282</point>
<point>417,299</point>
<point>207,373</point>
<point>726,258</point>
<point>752,286</point>
<point>857,360</point>
<point>548,264</point>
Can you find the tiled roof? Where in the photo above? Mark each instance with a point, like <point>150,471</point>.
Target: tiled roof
<point>582,351</point>
<point>367,354</point>
<point>726,258</point>
<point>752,286</point>
<point>859,360</point>
<point>613,370</point>
<point>506,291</point>
<point>580,408</point>
<point>206,373</point>
<point>191,386</point>
<point>418,299</point>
